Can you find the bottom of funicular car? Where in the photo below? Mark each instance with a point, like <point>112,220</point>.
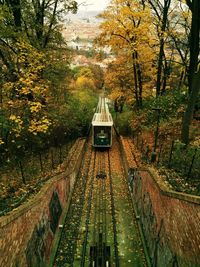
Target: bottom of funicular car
<point>102,137</point>
<point>101,143</point>
<point>101,146</point>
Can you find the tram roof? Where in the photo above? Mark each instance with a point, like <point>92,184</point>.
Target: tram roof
<point>102,119</point>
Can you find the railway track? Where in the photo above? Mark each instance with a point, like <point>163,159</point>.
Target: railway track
<point>88,214</point>
<point>99,236</point>
<point>99,229</point>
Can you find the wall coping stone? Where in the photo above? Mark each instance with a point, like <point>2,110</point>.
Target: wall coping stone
<point>164,189</point>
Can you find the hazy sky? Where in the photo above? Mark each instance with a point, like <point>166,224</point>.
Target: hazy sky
<point>92,4</point>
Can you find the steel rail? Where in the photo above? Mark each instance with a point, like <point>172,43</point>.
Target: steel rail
<point>113,215</point>
<point>84,248</point>
<point>95,219</point>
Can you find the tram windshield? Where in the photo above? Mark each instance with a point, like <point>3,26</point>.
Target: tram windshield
<point>102,135</point>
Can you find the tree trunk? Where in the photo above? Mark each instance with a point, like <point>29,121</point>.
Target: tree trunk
<point>46,39</point>
<point>135,81</point>
<point>159,71</point>
<point>140,85</point>
<point>9,65</point>
<point>15,6</point>
<point>187,118</point>
<point>39,21</point>
<point>194,41</point>
<point>194,70</point>
<point>139,76</point>
<point>165,77</point>
<point>164,21</point>
<point>181,79</point>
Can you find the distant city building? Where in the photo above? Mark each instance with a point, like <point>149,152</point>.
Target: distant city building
<point>80,32</point>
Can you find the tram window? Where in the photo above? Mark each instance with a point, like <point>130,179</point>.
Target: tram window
<point>102,134</point>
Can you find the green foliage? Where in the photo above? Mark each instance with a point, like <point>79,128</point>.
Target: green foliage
<point>82,106</point>
<point>122,121</point>
<point>182,161</point>
<point>70,119</point>
<point>182,168</point>
<point>170,104</point>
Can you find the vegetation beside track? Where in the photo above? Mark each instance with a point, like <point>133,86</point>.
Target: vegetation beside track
<point>177,163</point>
<point>25,167</point>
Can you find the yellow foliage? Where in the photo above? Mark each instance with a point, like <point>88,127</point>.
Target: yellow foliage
<point>126,29</point>
<point>17,124</point>
<point>35,107</point>
<point>1,142</point>
<point>29,94</point>
<point>39,126</point>
<point>13,117</point>
<point>84,82</point>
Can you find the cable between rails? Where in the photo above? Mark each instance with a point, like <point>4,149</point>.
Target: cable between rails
<point>113,216</point>
<point>84,248</point>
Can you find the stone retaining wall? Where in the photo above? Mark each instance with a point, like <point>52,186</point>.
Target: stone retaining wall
<point>27,233</point>
<point>170,220</point>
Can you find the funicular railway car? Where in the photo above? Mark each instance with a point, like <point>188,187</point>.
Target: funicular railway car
<point>102,125</point>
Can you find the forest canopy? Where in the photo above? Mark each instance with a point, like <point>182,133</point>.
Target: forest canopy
<point>156,45</point>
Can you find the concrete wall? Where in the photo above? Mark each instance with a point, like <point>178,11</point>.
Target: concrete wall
<point>27,233</point>
<point>170,220</point>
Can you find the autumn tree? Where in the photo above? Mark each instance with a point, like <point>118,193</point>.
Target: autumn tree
<point>126,29</point>
<point>27,98</point>
<point>118,79</point>
<point>31,29</point>
<point>179,34</point>
<point>98,75</point>
<point>88,77</point>
<point>24,117</point>
<point>37,21</point>
<point>58,74</point>
<point>160,10</point>
<point>119,82</point>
